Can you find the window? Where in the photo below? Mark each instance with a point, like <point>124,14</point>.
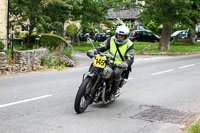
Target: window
<point>12,28</point>
<point>24,27</point>
<point>144,33</point>
<point>149,34</point>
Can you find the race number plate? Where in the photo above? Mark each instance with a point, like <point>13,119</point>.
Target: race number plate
<point>100,61</point>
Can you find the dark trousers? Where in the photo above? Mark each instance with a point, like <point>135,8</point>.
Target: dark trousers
<point>117,79</point>
<point>117,73</point>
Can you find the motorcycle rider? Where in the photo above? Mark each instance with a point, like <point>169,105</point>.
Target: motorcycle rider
<point>119,42</point>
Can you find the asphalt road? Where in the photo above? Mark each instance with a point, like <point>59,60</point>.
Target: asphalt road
<point>162,94</point>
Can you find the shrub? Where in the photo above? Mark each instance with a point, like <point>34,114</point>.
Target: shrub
<point>71,30</point>
<point>1,46</point>
<point>51,40</point>
<point>47,40</point>
<point>59,58</point>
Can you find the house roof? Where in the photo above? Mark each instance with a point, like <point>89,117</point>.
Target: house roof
<point>130,14</point>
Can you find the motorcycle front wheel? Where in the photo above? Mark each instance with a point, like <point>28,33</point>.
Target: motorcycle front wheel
<point>82,100</point>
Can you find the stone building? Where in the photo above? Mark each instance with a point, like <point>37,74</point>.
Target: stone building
<point>128,16</point>
<point>3,19</point>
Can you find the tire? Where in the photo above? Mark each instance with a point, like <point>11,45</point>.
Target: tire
<point>155,41</point>
<point>82,101</point>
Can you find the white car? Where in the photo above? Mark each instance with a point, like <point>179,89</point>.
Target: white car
<point>179,34</point>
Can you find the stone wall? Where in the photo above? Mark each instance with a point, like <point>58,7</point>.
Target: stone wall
<point>24,61</point>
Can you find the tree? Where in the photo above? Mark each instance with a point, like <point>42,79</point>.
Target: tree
<point>193,18</point>
<point>71,31</point>
<point>172,14</point>
<point>42,15</point>
<point>167,13</point>
<point>27,11</point>
<point>56,13</point>
<point>93,13</point>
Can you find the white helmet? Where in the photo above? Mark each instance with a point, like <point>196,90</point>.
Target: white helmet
<point>122,30</point>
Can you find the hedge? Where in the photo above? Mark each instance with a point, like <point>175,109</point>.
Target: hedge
<point>52,40</point>
<point>47,40</point>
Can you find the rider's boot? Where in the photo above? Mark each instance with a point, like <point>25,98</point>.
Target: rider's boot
<point>114,89</point>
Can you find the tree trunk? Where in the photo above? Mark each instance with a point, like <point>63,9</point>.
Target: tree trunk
<point>192,35</point>
<point>79,41</point>
<point>29,34</point>
<point>165,38</point>
<point>72,40</point>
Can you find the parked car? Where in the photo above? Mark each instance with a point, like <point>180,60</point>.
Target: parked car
<point>143,36</point>
<point>182,34</point>
<point>179,34</point>
<point>198,34</point>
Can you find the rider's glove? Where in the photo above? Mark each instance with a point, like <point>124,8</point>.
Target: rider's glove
<point>123,65</point>
<point>91,53</point>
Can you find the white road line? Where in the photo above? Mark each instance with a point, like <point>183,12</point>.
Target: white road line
<point>79,68</point>
<point>162,72</point>
<point>186,66</point>
<point>130,78</point>
<point>23,101</point>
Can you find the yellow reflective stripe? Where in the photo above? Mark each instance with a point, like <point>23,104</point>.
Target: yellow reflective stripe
<point>114,55</point>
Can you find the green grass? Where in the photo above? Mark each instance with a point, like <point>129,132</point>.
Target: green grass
<point>194,128</point>
<point>175,49</point>
<point>84,47</point>
<point>138,46</point>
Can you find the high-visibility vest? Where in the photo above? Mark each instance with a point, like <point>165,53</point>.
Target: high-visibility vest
<point>122,48</point>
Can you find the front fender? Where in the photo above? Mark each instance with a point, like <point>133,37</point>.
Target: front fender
<point>87,74</point>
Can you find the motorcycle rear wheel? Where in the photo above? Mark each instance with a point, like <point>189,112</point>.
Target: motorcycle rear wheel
<point>82,100</point>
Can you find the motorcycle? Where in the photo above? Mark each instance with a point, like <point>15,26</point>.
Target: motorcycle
<point>100,37</point>
<point>81,35</point>
<point>97,82</point>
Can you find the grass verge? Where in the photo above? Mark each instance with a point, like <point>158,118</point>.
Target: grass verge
<point>176,49</point>
<point>195,128</point>
<point>148,48</point>
<point>85,46</point>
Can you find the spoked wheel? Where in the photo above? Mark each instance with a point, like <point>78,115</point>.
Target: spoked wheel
<point>82,100</point>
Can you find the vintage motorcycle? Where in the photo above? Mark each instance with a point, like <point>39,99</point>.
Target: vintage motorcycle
<point>97,82</point>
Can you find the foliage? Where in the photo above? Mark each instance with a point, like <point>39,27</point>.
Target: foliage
<point>93,13</point>
<point>40,40</point>
<point>47,40</point>
<point>51,40</point>
<point>1,46</point>
<point>194,128</point>
<point>43,15</point>
<point>71,30</point>
<point>29,11</point>
<point>58,58</point>
<point>176,12</point>
<point>154,28</point>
